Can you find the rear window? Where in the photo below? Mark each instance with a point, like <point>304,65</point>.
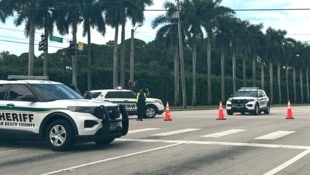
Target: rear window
<point>127,94</point>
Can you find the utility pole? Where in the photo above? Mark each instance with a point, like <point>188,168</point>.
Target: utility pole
<point>181,56</point>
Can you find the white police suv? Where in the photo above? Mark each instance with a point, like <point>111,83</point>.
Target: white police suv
<point>126,98</point>
<point>248,99</point>
<point>48,110</point>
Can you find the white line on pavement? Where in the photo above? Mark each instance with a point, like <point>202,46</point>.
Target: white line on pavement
<point>176,132</point>
<point>224,133</point>
<point>141,130</point>
<point>274,135</point>
<point>109,159</point>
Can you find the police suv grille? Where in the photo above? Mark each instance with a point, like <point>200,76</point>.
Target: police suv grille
<point>100,112</point>
<point>239,102</point>
<point>113,112</point>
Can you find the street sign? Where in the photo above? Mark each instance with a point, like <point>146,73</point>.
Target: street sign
<point>56,39</point>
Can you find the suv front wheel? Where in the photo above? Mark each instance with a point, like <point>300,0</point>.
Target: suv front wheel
<point>150,112</point>
<point>59,135</point>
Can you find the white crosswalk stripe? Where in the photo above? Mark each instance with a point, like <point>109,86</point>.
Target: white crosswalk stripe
<point>141,130</point>
<point>176,132</point>
<point>274,135</point>
<point>224,133</point>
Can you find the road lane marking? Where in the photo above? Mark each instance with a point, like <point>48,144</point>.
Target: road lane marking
<point>176,132</point>
<point>110,159</point>
<point>274,135</point>
<point>11,150</point>
<point>224,133</point>
<point>287,163</point>
<point>141,130</point>
<point>271,172</point>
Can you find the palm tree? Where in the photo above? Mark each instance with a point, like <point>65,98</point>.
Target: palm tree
<point>92,15</point>
<point>69,13</point>
<point>223,41</point>
<point>193,21</point>
<point>27,11</point>
<point>113,18</point>
<point>168,33</point>
<point>212,12</point>
<point>276,39</point>
<point>134,10</point>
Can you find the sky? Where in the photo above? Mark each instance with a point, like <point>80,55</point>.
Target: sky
<point>295,22</point>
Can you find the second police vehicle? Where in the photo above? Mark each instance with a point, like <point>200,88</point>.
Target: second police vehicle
<point>128,99</point>
<point>248,99</point>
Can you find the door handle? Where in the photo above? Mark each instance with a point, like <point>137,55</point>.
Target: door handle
<point>10,105</point>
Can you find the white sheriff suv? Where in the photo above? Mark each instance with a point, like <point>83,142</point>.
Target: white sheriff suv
<point>248,99</point>
<point>51,111</point>
<point>126,98</point>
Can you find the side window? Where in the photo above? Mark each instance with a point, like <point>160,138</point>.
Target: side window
<point>2,92</point>
<point>112,95</point>
<point>128,95</point>
<point>18,92</point>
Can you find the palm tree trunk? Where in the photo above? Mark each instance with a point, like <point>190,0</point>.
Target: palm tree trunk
<point>244,68</point>
<point>271,81</point>
<point>209,68</point>
<point>307,85</point>
<point>115,59</point>
<point>301,86</point>
<point>31,47</point>
<point>132,54</point>
<point>74,57</point>
<point>262,76</point>
<point>279,83</point>
<point>287,86</point>
<point>294,85</point>
<point>223,75</point>
<point>89,60</point>
<point>176,78</point>
<point>194,60</point>
<point>234,69</point>
<point>122,59</point>
<point>254,71</point>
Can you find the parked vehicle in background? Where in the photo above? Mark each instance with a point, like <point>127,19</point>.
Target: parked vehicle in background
<point>126,98</point>
<point>248,99</point>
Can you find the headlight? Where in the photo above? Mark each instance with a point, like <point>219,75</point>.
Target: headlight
<point>85,109</point>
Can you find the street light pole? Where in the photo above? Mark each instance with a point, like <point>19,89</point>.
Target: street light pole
<point>132,54</point>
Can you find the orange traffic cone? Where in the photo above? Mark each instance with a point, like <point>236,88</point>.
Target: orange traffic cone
<point>289,113</point>
<point>167,113</point>
<point>221,113</point>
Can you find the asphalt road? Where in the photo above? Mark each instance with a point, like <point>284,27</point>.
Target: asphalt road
<point>194,143</point>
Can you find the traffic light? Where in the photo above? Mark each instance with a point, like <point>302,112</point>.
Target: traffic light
<point>43,43</point>
<point>71,49</point>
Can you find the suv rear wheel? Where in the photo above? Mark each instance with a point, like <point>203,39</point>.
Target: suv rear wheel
<point>59,135</point>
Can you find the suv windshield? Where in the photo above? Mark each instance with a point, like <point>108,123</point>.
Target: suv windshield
<point>49,92</point>
<point>246,94</point>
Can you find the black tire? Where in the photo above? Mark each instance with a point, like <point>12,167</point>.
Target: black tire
<point>256,110</point>
<point>125,120</point>
<point>59,135</point>
<point>267,110</point>
<point>150,112</point>
<point>101,142</point>
<point>229,112</point>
